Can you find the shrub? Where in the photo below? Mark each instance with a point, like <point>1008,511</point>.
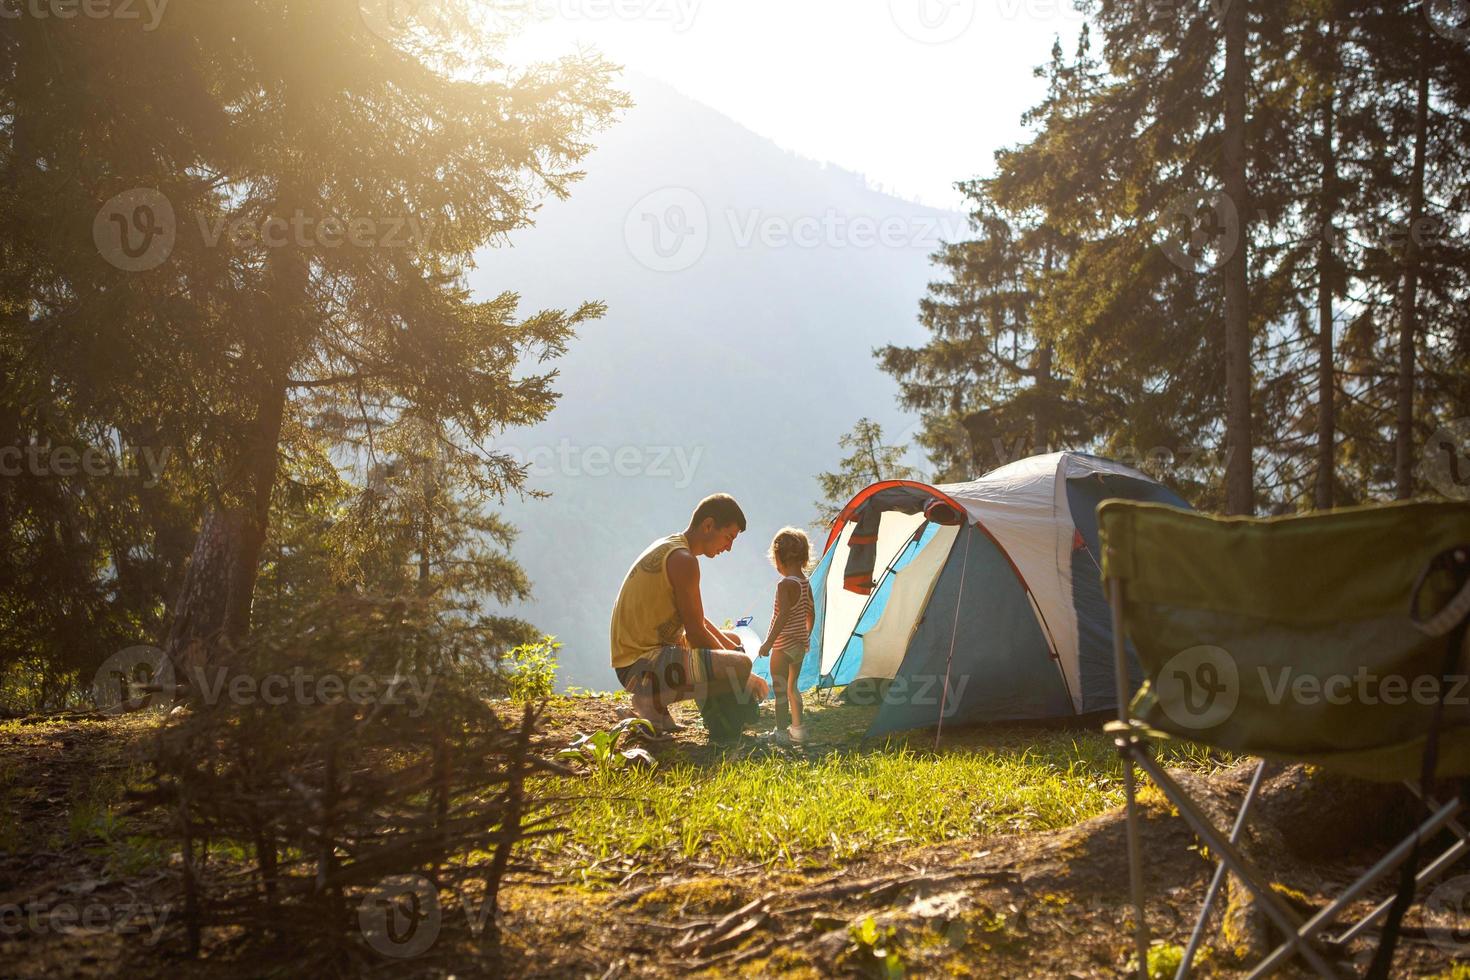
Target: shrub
<point>337,800</point>
<point>531,670</point>
<point>36,685</point>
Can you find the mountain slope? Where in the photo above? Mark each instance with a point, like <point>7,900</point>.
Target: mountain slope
<point>746,289</point>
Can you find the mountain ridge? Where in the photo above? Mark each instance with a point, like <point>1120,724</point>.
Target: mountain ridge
<point>746,286</point>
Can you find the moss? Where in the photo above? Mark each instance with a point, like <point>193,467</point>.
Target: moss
<point>703,896</point>
<point>790,963</point>
<point>985,930</point>
<point>1295,898</point>
<point>1240,928</point>
<point>1054,900</point>
<point>927,940</point>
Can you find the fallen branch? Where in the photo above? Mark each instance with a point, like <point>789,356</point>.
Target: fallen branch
<point>869,888</point>
<point>637,893</point>
<point>735,919</point>
<point>734,956</point>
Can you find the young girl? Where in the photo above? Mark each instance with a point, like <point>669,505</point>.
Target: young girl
<point>791,624</point>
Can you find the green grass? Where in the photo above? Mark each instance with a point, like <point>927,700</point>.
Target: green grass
<point>96,823</point>
<point>101,762</point>
<point>792,811</point>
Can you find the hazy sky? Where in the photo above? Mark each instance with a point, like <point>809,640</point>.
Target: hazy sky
<point>913,93</point>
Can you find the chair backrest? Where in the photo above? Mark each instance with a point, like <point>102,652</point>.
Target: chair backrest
<point>1292,637</point>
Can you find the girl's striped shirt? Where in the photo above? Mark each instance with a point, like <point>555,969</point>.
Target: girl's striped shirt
<point>793,638</point>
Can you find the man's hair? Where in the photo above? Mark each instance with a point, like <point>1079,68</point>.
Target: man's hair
<point>722,507</point>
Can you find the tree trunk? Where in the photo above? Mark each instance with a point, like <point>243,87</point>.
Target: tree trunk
<point>1042,425</point>
<point>1303,818</point>
<point>213,611</point>
<point>1326,285</point>
<point>213,608</point>
<point>426,526</point>
<point>1239,468</point>
<point>1409,300</point>
<point>1043,421</point>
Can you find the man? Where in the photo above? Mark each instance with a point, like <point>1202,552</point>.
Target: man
<point>664,650</point>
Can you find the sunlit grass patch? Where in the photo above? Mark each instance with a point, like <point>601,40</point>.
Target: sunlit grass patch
<point>792,810</point>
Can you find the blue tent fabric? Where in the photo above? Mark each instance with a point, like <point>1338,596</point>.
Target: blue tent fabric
<point>1094,619</point>
<point>1002,669</point>
<point>1084,494</point>
<point>848,665</point>
<point>845,670</point>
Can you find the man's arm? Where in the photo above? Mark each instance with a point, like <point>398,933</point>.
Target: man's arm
<point>730,640</point>
<point>682,569</point>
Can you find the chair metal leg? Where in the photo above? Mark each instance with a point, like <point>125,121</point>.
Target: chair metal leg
<point>1130,790</point>
<point>1385,866</point>
<point>1186,963</point>
<point>1135,868</point>
<point>1431,871</point>
<point>1286,920</point>
<point>1426,875</point>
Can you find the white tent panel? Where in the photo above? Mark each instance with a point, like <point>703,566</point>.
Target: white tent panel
<point>1024,506</point>
<point>837,602</point>
<point>886,643</point>
<point>844,608</point>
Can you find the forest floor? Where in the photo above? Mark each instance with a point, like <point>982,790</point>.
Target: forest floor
<point>1002,854</point>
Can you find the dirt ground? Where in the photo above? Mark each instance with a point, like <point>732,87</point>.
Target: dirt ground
<point>81,896</point>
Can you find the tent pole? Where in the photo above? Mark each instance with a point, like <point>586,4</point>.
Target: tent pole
<point>877,584</point>
<point>954,631</point>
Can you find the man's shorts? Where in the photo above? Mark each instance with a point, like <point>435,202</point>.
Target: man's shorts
<point>668,668</point>
<point>665,669</point>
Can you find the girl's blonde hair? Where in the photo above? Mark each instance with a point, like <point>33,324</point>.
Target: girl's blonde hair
<point>791,546</point>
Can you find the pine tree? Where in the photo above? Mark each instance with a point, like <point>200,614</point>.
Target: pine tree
<point>1135,313</point>
<point>987,385</point>
<point>1239,464</point>
<point>1311,119</point>
<point>421,525</point>
<point>1406,346</point>
<point>1145,302</point>
<point>869,462</point>
<point>98,512</point>
<point>271,131</point>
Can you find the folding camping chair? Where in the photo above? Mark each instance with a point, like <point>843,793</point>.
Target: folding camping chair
<point>1220,610</point>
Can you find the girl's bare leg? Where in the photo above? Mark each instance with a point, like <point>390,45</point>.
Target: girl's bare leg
<point>793,674</point>
<point>782,681</point>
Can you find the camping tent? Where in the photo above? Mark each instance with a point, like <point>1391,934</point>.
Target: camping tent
<point>977,601</point>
